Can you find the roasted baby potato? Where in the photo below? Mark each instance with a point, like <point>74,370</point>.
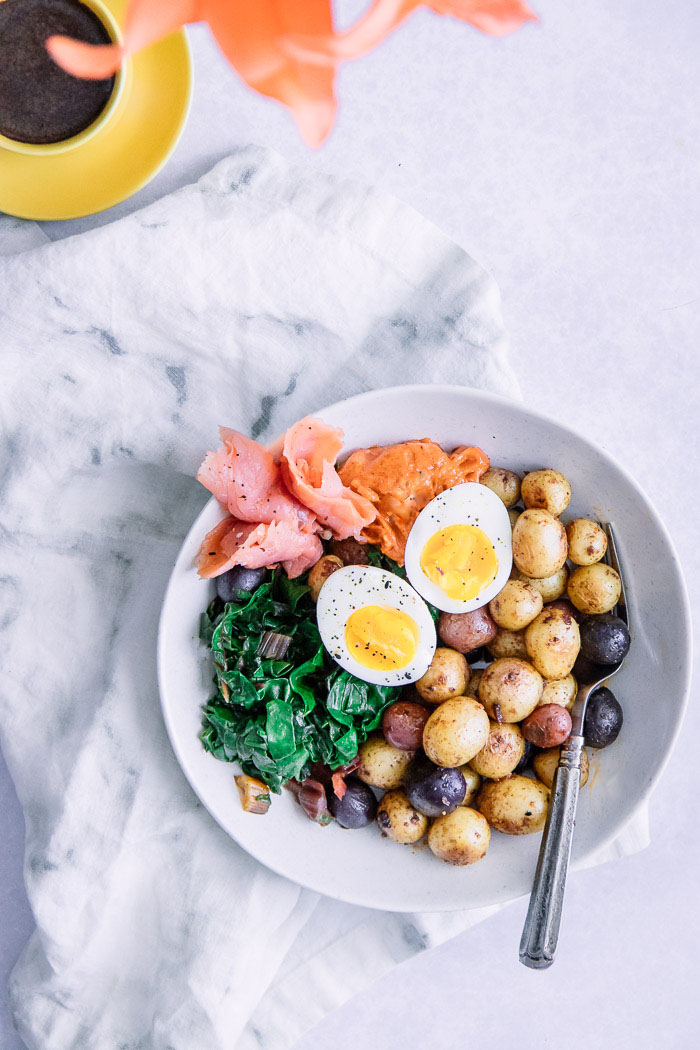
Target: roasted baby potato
<point>553,641</point>
<point>461,837</point>
<point>605,639</point>
<point>510,689</point>
<point>398,820</point>
<point>547,726</point>
<point>455,731</point>
<point>434,790</point>
<point>350,551</point>
<point>587,541</point>
<point>504,483</point>
<point>547,490</point>
<point>539,544</point>
<point>323,568</point>
<point>466,631</point>
<point>545,764</point>
<point>472,689</point>
<point>446,677</point>
<point>516,605</point>
<point>550,587</point>
<point>508,643</point>
<point>403,723</point>
<point>594,589</point>
<point>473,782</point>
<point>382,765</point>
<point>502,751</point>
<point>515,805</point>
<point>560,691</point>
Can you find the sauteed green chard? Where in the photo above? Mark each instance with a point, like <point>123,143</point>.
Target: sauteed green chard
<point>277,717</point>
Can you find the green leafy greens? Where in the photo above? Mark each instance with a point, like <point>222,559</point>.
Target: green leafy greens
<point>278,717</point>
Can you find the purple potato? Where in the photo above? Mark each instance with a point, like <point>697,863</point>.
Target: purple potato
<point>434,790</point>
<point>357,807</point>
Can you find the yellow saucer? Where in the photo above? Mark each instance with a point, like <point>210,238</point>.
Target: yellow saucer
<point>118,159</point>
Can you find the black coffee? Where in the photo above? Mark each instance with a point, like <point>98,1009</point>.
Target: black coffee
<point>39,102</point>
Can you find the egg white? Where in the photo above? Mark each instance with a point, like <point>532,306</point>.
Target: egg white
<point>352,588</point>
<point>466,504</point>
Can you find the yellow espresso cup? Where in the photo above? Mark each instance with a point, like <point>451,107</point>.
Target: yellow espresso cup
<point>114,106</point>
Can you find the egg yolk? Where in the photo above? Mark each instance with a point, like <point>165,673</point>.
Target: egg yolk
<point>381,637</point>
<point>461,560</point>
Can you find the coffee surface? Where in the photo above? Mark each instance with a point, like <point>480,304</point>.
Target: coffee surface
<point>39,102</point>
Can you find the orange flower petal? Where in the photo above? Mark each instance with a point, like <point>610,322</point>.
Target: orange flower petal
<point>146,22</point>
<point>252,35</point>
<point>496,17</point>
<point>285,49</point>
<point>90,61</point>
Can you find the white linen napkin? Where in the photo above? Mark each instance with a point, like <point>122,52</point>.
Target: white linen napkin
<point>251,298</point>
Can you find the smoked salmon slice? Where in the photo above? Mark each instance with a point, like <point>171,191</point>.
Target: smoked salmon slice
<point>256,546</point>
<point>243,475</point>
<point>309,453</point>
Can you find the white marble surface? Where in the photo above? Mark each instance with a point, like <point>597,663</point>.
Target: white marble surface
<point>566,159</point>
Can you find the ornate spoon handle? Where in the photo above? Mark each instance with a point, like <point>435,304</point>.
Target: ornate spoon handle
<point>541,931</point>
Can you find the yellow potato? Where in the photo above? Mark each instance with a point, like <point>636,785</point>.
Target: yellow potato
<point>501,753</point>
<point>323,568</point>
<point>398,820</point>
<point>515,805</point>
<point>382,765</point>
<point>455,731</point>
<point>473,782</point>
<point>550,587</point>
<point>553,642</point>
<point>446,677</point>
<point>560,691</point>
<point>587,541</point>
<point>472,689</point>
<point>516,605</point>
<point>539,544</point>
<point>594,589</point>
<point>510,689</point>
<point>508,643</point>
<point>545,764</point>
<point>504,483</point>
<point>547,490</point>
<point>461,837</point>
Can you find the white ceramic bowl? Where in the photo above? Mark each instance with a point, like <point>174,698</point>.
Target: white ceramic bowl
<point>360,866</point>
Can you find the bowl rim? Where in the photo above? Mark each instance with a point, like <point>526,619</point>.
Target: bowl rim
<point>362,400</point>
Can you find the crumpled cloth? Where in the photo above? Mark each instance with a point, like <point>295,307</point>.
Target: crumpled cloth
<point>255,296</point>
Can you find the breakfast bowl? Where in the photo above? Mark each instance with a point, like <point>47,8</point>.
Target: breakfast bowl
<point>359,866</point>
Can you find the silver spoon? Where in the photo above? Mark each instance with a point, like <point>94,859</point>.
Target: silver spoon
<point>538,943</point>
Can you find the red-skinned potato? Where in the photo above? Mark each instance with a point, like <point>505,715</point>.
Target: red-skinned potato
<point>547,726</point>
<point>466,631</point>
<point>403,723</point>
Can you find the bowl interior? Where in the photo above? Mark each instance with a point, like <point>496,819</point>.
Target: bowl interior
<point>360,866</point>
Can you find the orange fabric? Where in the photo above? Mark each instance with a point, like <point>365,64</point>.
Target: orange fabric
<point>285,49</point>
<point>399,480</point>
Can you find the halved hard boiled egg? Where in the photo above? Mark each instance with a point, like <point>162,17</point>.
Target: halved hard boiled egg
<point>375,625</point>
<point>459,550</point>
